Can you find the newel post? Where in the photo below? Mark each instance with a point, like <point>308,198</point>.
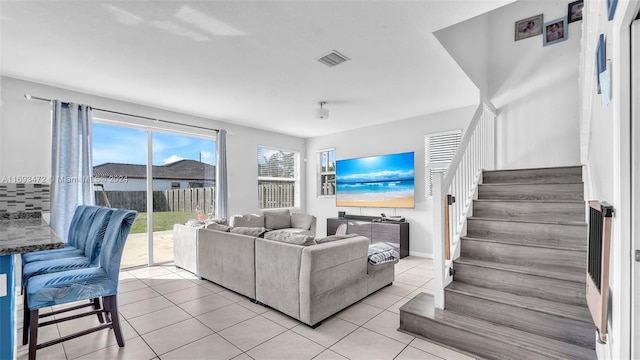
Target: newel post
<point>438,241</point>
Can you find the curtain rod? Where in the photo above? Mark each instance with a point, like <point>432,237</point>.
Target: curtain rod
<point>31,97</point>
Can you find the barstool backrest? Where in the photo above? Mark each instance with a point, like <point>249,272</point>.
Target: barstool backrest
<point>96,234</point>
<point>114,239</point>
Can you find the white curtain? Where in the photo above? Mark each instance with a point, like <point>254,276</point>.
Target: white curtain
<point>71,158</point>
<point>222,203</point>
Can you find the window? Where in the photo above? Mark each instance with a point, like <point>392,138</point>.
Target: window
<point>439,149</point>
<point>175,185</point>
<point>277,178</point>
<point>327,172</point>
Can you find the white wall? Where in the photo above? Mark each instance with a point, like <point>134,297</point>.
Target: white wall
<point>25,137</point>
<point>395,137</point>
<point>534,88</point>
<point>606,152</point>
<point>468,44</point>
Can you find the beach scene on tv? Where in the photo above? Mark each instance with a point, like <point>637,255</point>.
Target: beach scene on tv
<point>376,181</point>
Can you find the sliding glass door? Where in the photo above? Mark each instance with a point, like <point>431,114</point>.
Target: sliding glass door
<point>168,177</point>
<point>120,177</point>
<point>183,186</point>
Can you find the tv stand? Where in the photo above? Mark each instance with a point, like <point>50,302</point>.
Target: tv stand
<point>392,233</point>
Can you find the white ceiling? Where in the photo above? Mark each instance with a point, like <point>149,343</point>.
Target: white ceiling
<point>246,62</point>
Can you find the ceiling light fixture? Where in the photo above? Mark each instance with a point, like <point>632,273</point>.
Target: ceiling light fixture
<point>322,112</point>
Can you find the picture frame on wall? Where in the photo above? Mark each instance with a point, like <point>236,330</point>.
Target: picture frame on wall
<point>555,31</point>
<point>611,8</point>
<point>575,11</point>
<point>528,27</point>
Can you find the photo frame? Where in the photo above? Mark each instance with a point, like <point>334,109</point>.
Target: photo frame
<point>528,27</point>
<point>601,60</point>
<point>555,31</point>
<point>611,8</point>
<point>574,13</point>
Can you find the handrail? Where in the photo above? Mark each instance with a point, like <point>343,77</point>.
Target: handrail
<point>453,193</point>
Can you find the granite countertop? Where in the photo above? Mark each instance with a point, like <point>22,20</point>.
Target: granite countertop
<point>26,232</point>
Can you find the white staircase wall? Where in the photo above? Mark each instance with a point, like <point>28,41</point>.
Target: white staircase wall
<point>534,88</point>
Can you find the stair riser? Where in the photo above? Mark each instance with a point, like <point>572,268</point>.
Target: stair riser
<point>530,211</point>
<point>542,234</point>
<point>568,292</point>
<point>485,347</point>
<point>560,192</point>
<point>559,328</point>
<point>573,261</point>
<point>537,176</point>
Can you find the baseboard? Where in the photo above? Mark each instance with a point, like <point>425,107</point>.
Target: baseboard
<point>421,254</point>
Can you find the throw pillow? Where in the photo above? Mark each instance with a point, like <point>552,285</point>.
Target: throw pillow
<point>221,221</point>
<point>195,223</point>
<point>290,238</point>
<point>218,227</point>
<point>277,219</point>
<point>249,220</point>
<point>335,238</point>
<point>301,221</point>
<point>251,231</point>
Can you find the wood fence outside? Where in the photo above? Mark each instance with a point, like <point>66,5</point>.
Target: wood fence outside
<point>276,194</point>
<point>176,200</point>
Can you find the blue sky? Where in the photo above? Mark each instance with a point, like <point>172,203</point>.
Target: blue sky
<point>129,146</point>
<point>391,167</point>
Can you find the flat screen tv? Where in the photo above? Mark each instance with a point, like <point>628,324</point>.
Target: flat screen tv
<point>376,181</point>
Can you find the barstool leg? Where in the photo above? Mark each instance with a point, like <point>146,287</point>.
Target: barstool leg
<point>112,300</point>
<point>33,336</point>
<point>96,306</point>
<point>25,318</point>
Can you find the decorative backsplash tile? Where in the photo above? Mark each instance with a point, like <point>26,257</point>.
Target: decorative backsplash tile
<point>17,197</point>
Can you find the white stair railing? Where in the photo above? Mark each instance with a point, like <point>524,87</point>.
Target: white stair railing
<point>454,192</point>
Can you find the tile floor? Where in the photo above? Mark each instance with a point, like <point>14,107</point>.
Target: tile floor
<point>167,313</point>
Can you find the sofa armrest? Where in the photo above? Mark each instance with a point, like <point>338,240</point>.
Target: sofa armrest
<point>332,277</point>
<point>185,247</point>
<point>312,229</point>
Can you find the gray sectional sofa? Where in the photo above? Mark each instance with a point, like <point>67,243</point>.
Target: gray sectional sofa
<point>306,282</point>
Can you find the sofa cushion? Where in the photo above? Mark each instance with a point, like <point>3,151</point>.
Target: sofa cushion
<point>249,220</point>
<point>334,238</point>
<point>218,227</point>
<point>251,231</point>
<point>277,219</point>
<point>290,237</point>
<point>301,221</point>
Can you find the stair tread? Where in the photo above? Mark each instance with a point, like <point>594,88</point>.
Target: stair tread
<point>559,273</point>
<point>576,167</point>
<point>566,247</point>
<point>535,201</point>
<point>569,223</point>
<point>422,305</point>
<point>530,184</point>
<point>575,312</point>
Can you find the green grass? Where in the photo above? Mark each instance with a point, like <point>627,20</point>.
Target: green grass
<point>161,221</point>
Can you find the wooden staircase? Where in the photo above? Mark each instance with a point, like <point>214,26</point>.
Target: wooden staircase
<point>519,284</point>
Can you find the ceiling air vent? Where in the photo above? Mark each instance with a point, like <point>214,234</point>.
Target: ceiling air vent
<point>333,58</point>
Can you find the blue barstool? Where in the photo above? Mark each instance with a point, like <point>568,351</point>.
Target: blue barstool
<point>78,229</point>
<point>88,231</point>
<point>82,284</point>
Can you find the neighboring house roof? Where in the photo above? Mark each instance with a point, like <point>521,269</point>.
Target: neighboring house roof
<point>179,170</point>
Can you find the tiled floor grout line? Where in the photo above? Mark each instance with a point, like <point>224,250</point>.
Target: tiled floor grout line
<point>165,270</point>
